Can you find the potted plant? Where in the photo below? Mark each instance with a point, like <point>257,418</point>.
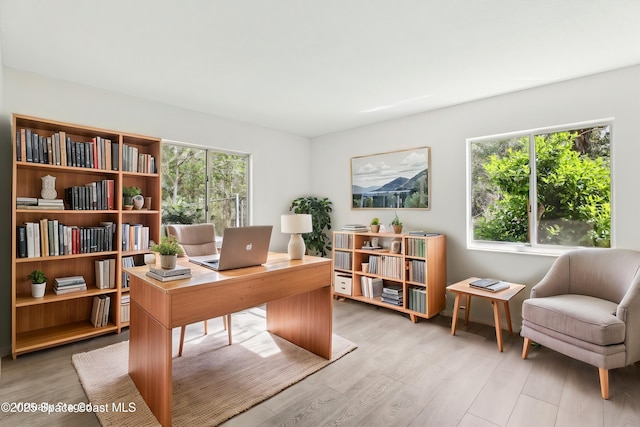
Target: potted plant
<point>38,283</point>
<point>128,193</point>
<point>169,249</point>
<point>396,224</point>
<point>375,225</point>
<point>316,241</point>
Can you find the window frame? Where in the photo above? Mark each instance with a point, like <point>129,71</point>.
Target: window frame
<point>532,247</point>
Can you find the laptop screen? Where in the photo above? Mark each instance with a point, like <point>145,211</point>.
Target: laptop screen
<point>241,247</point>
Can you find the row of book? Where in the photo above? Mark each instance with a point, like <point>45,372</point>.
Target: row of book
<point>371,287</point>
<point>127,261</point>
<point>125,305</point>
<point>52,238</point>
<point>65,285</point>
<point>343,241</point>
<point>59,149</point>
<point>100,310</point>
<point>105,273</point>
<point>134,161</point>
<point>342,260</point>
<point>98,195</point>
<point>417,299</point>
<point>416,247</point>
<point>135,237</point>
<point>418,271</point>
<point>393,294</point>
<point>388,266</point>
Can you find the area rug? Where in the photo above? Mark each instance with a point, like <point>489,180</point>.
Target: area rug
<point>212,381</point>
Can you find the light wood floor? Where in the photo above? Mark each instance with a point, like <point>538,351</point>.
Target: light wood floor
<point>402,374</point>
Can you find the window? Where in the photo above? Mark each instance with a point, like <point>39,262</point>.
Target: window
<point>566,170</point>
<point>201,185</point>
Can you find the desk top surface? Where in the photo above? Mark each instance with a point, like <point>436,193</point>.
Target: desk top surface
<point>202,275</point>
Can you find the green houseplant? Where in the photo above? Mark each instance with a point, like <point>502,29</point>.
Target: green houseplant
<point>38,283</point>
<point>169,249</point>
<point>396,224</point>
<point>375,225</point>
<point>317,241</point>
<point>128,193</point>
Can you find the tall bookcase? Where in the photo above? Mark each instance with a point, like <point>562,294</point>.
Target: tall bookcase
<point>39,323</point>
<point>416,270</point>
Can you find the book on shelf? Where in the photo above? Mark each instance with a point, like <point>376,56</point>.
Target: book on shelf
<point>423,233</point>
<point>100,310</point>
<point>22,201</point>
<point>169,272</point>
<point>69,289</point>
<point>69,280</point>
<point>490,285</point>
<point>371,287</point>
<point>168,278</point>
<point>355,227</point>
<point>105,273</point>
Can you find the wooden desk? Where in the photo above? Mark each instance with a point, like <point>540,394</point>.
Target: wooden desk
<point>463,288</point>
<point>299,309</point>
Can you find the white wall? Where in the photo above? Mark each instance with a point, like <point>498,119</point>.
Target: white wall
<point>276,156</point>
<point>613,94</point>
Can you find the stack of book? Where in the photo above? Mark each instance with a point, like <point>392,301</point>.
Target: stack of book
<point>393,294</point>
<point>65,285</point>
<point>491,285</point>
<point>371,287</point>
<point>100,311</point>
<point>23,202</point>
<point>164,275</point>
<point>355,227</point>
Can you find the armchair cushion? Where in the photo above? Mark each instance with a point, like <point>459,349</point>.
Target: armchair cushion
<point>585,318</point>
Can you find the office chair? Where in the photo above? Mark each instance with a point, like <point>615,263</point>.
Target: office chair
<point>197,240</point>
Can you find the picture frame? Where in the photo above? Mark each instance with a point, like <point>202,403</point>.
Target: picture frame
<point>396,246</point>
<point>392,180</point>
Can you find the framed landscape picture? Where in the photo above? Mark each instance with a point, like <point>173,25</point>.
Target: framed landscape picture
<point>393,180</point>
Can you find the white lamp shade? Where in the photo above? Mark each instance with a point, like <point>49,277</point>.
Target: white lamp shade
<point>296,224</point>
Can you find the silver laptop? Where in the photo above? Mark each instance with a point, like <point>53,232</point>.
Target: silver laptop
<point>241,247</point>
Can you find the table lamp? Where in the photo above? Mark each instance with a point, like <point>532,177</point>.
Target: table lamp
<point>295,225</point>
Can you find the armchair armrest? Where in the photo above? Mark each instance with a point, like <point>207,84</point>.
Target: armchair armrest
<point>556,281</point>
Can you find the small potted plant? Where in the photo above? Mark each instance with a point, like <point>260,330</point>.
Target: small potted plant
<point>127,195</point>
<point>169,249</point>
<point>375,225</point>
<point>38,283</point>
<point>396,224</point>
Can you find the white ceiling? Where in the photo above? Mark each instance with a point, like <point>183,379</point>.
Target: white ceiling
<point>313,67</point>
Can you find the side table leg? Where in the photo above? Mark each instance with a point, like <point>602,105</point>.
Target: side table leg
<point>467,310</point>
<point>508,314</point>
<point>496,317</point>
<point>454,318</point>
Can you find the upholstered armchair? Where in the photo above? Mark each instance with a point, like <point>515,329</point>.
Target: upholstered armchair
<point>197,240</point>
<point>588,307</point>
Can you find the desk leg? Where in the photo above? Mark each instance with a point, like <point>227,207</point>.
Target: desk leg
<point>454,318</point>
<point>305,320</point>
<point>496,318</point>
<point>150,362</point>
<point>508,314</point>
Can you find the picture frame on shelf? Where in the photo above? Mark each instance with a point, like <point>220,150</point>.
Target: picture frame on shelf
<point>392,180</point>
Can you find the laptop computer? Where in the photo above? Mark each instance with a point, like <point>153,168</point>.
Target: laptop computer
<point>241,247</point>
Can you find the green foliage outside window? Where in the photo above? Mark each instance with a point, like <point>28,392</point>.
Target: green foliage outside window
<point>573,188</point>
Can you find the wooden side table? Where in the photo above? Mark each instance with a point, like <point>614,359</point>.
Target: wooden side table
<point>504,296</point>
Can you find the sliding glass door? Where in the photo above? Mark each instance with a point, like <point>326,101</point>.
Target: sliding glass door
<point>204,185</point>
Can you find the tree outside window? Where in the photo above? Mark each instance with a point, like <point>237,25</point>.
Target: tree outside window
<point>567,172</point>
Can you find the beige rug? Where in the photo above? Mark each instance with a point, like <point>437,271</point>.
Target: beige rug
<point>212,381</point>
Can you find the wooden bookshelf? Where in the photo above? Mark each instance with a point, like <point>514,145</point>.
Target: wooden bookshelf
<point>418,269</point>
<point>38,323</point>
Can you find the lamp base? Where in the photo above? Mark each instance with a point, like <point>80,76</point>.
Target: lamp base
<point>296,247</point>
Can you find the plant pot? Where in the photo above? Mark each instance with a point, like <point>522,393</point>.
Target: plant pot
<point>127,200</point>
<point>375,228</point>
<point>168,262</point>
<point>397,229</point>
<point>38,289</point>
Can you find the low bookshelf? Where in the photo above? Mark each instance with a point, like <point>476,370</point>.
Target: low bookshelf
<point>404,272</point>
